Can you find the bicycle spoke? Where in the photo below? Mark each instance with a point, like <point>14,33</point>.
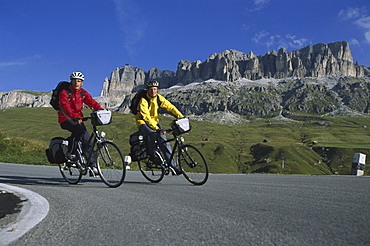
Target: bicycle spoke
<point>153,172</point>
<point>70,172</point>
<point>111,166</point>
<point>193,164</point>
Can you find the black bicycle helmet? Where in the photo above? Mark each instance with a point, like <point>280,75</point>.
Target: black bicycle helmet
<point>152,83</point>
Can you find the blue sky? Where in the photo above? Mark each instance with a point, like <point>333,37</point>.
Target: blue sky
<point>43,41</point>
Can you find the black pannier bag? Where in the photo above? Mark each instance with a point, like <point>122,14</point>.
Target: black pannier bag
<point>56,153</point>
<point>138,147</point>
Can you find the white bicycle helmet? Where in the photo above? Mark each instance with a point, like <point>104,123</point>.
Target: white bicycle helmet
<point>77,75</point>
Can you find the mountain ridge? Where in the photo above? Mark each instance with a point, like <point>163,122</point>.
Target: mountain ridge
<point>318,79</point>
<point>320,60</point>
<point>268,98</point>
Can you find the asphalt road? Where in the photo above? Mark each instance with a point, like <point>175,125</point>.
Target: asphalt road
<point>227,210</point>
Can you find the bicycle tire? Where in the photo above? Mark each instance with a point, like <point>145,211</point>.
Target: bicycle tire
<point>70,172</point>
<point>151,171</point>
<point>111,164</point>
<point>193,164</point>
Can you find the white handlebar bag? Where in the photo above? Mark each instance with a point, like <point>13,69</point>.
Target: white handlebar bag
<point>181,126</point>
<point>101,117</point>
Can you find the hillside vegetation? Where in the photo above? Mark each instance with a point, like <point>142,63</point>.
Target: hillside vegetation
<point>257,146</point>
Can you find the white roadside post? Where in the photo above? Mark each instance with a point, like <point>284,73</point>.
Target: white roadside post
<point>358,164</point>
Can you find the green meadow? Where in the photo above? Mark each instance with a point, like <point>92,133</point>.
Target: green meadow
<point>308,145</point>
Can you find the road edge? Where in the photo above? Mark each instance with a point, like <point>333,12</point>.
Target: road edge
<point>34,209</point>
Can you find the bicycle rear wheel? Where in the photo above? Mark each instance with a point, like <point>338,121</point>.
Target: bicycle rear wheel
<point>193,164</point>
<point>70,172</point>
<point>111,165</point>
<point>152,171</point>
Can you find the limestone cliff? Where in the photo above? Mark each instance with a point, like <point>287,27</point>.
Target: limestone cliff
<point>16,99</point>
<point>320,60</point>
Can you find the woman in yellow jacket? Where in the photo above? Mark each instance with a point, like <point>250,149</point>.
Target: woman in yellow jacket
<point>148,122</point>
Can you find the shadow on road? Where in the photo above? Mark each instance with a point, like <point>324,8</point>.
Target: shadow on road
<point>22,180</point>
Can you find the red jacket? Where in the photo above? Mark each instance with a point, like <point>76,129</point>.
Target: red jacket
<point>72,108</point>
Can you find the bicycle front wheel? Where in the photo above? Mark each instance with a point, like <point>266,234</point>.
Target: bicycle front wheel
<point>193,164</point>
<point>70,172</point>
<point>152,171</point>
<point>111,164</point>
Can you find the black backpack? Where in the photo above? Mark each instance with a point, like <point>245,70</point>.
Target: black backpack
<point>63,85</point>
<point>135,101</point>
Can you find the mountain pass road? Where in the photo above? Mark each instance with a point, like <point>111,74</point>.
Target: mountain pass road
<point>227,210</point>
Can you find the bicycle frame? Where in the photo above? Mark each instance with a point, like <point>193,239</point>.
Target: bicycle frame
<point>99,157</point>
<point>96,140</point>
<point>178,141</point>
<point>183,159</point>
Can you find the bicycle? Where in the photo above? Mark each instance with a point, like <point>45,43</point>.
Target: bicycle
<point>110,162</point>
<point>189,159</point>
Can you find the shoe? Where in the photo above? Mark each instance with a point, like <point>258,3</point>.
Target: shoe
<point>70,164</point>
<point>178,171</point>
<point>154,160</point>
<point>94,172</point>
<point>72,158</point>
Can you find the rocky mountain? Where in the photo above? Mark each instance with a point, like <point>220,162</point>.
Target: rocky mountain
<point>320,60</point>
<point>268,97</point>
<point>17,99</point>
<point>230,86</point>
<point>127,79</point>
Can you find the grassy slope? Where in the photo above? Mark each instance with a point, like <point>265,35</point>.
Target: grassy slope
<point>257,146</point>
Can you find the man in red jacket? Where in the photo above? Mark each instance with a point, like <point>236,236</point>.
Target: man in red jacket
<point>70,114</point>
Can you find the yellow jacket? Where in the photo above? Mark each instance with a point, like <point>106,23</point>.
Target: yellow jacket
<point>148,114</point>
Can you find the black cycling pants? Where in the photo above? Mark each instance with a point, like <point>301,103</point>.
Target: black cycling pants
<point>79,133</point>
<point>154,136</point>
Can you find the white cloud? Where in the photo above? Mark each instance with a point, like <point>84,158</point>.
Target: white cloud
<point>11,63</point>
<point>354,41</point>
<point>296,42</point>
<point>261,3</point>
<point>352,13</point>
<point>245,27</point>
<point>19,62</point>
<point>276,41</point>
<point>361,20</point>
<point>258,5</point>
<point>259,36</point>
<point>367,37</point>
<point>130,24</point>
